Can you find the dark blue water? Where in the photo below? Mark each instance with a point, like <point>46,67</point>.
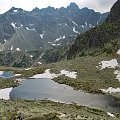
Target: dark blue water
<point>7,74</point>
<point>47,89</point>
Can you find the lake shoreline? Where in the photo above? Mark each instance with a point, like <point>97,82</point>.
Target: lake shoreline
<point>39,100</point>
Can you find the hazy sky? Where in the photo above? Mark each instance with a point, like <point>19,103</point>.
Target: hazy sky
<point>97,5</point>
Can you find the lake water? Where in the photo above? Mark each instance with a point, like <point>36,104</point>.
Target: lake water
<point>41,89</point>
<point>7,74</point>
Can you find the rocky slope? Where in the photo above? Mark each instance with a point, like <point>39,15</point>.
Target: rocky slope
<point>45,28</point>
<point>17,58</point>
<point>98,38</point>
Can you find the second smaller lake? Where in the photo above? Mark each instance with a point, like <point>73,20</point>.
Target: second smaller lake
<point>6,74</point>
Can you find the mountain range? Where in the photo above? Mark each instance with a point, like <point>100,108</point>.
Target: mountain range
<point>45,28</point>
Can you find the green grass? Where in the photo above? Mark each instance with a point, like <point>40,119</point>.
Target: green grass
<point>48,110</point>
<point>29,73</point>
<point>6,83</point>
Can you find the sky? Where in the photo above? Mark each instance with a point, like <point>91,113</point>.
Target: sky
<point>98,5</point>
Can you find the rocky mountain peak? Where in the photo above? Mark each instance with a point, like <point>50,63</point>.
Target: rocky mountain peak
<point>13,9</point>
<point>50,9</point>
<point>73,6</point>
<point>36,9</point>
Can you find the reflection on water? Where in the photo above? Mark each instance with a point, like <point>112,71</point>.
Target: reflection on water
<point>45,88</point>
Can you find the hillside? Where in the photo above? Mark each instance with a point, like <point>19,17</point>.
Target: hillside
<point>15,59</point>
<point>48,110</point>
<point>97,39</point>
<point>21,59</point>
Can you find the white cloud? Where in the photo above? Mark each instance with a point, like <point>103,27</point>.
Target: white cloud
<point>97,5</point>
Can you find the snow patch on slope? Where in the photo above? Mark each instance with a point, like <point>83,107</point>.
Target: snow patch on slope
<point>17,75</point>
<point>91,26</point>
<point>69,74</point>
<point>4,93</point>
<point>49,75</point>
<point>15,10</point>
<point>31,56</point>
<point>28,69</point>
<point>83,26</point>
<point>110,114</point>
<point>86,23</point>
<point>108,64</point>
<point>1,72</point>
<point>21,25</point>
<point>42,35</point>
<point>55,44</point>
<point>5,40</point>
<point>30,29</point>
<point>74,23</point>
<point>117,72</point>
<point>111,90</point>
<point>66,24</point>
<point>118,52</point>
<point>13,24</point>
<point>41,55</point>
<point>39,63</point>
<point>99,20</point>
<point>75,30</point>
<point>11,47</point>
<point>58,39</point>
<point>18,49</point>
